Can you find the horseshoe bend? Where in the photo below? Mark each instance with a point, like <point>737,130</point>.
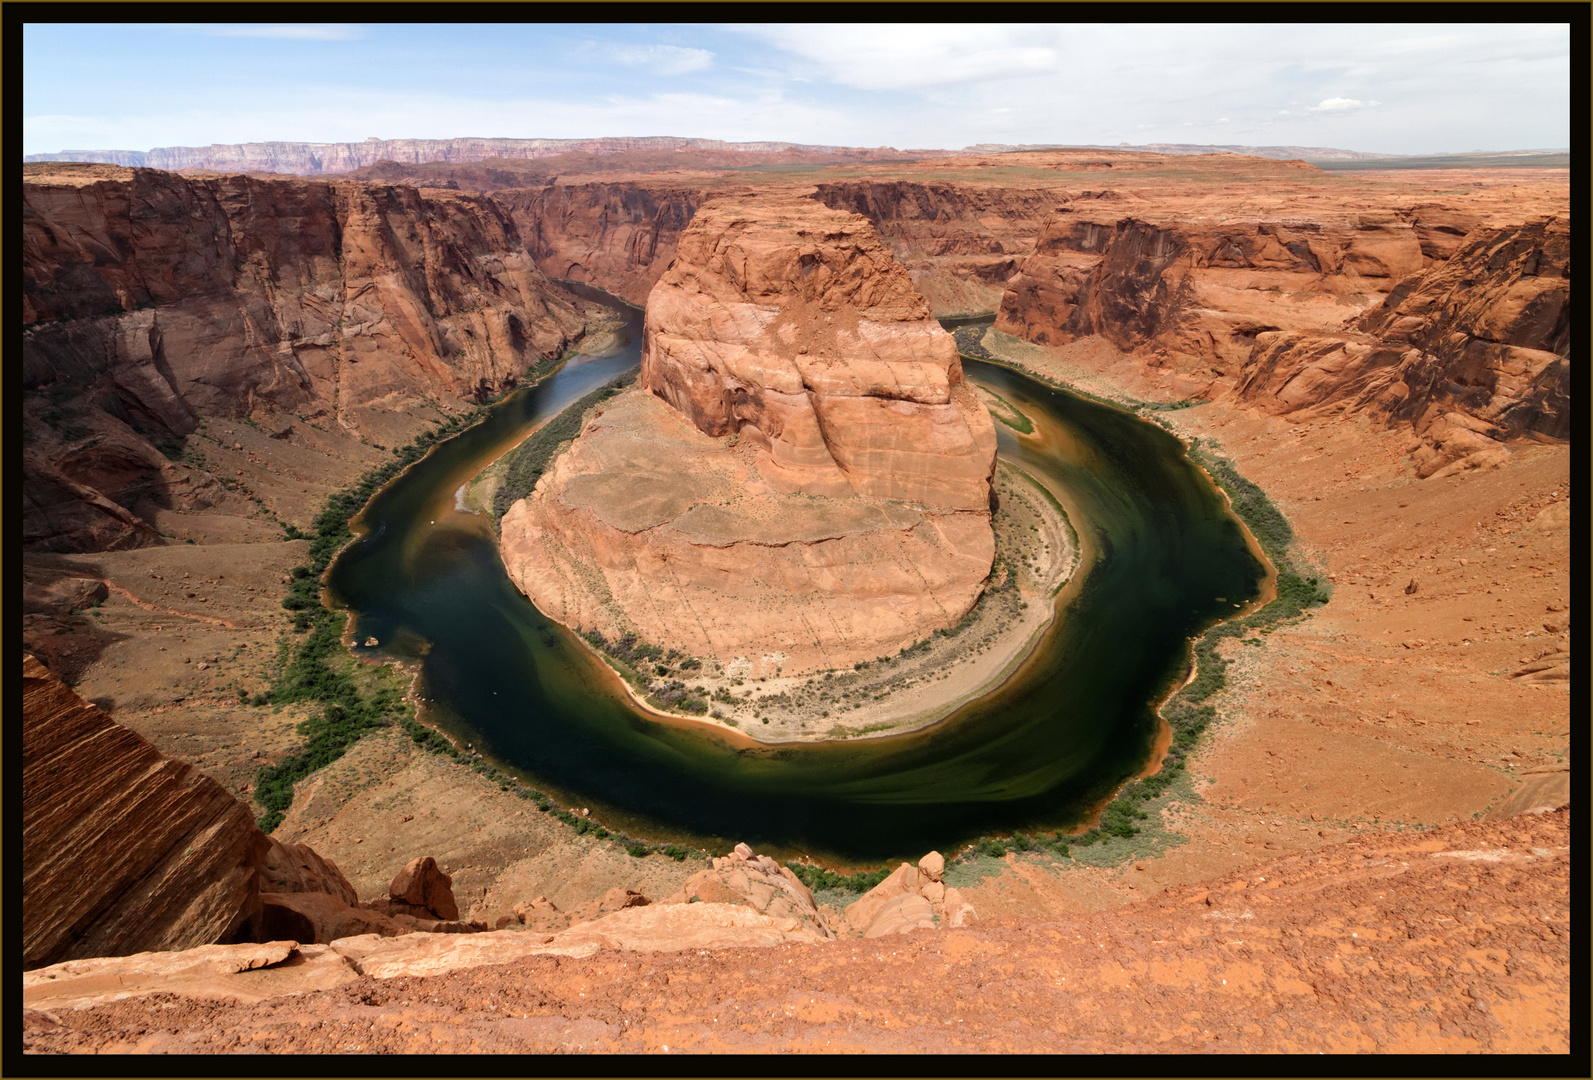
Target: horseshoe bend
<point>801,479</point>
<point>664,594</point>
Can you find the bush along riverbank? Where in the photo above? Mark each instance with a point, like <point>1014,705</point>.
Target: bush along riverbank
<point>356,700</point>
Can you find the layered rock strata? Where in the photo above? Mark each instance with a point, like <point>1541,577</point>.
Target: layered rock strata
<point>959,243</point>
<point>1199,288</point>
<point>123,850</point>
<point>802,478</point>
<point>126,851</point>
<point>1473,352</point>
<point>151,300</point>
<point>792,326</point>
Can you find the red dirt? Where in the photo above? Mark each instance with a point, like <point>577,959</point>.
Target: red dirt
<point>1453,940</point>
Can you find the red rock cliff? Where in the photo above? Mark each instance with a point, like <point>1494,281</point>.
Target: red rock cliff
<point>815,492</point>
<point>792,325</point>
<point>151,299</point>
<point>1473,351</point>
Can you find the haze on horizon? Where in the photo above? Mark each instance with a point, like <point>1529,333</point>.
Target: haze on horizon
<point>1381,88</point>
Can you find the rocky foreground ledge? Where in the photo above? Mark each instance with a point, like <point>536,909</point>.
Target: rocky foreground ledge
<point>1453,940</point>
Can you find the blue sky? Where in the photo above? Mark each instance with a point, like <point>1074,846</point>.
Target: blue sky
<point>1427,88</point>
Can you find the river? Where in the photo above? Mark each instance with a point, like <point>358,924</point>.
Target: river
<point>1163,559</point>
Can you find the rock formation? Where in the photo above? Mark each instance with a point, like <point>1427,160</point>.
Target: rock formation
<point>818,487</point>
<point>1200,288</point>
<point>912,898</point>
<point>756,880</point>
<point>792,326</point>
<point>960,244</point>
<point>422,890</point>
<point>619,237</point>
<point>150,300</point>
<point>1472,352</point>
<point>123,850</point>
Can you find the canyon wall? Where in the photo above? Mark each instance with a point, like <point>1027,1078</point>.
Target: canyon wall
<point>1474,351</point>
<point>960,243</point>
<point>801,480</point>
<point>150,300</point>
<point>619,237</point>
<point>1200,289</point>
<point>1426,312</point>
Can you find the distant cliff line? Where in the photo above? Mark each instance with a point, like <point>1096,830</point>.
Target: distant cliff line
<point>313,159</point>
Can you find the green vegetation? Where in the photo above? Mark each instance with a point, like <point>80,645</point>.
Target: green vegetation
<point>316,670</point>
<point>530,459</point>
<point>1008,413</point>
<point>817,878</point>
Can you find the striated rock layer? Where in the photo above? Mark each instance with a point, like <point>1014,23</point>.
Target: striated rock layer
<point>1198,287</point>
<point>123,850</point>
<point>793,326</point>
<point>151,300</point>
<point>127,851</point>
<point>817,490</point>
<point>1472,352</point>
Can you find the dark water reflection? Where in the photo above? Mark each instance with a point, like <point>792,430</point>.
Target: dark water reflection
<point>1164,559</point>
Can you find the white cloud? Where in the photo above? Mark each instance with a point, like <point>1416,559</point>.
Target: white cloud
<point>662,59</point>
<point>286,31</point>
<point>903,57</point>
<point>1341,104</point>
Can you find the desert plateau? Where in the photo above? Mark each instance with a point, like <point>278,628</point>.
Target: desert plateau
<point>665,595</point>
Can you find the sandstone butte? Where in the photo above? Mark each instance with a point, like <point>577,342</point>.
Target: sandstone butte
<point>801,478</point>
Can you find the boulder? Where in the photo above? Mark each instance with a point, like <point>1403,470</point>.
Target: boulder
<point>298,868</point>
<point>911,898</point>
<point>755,881</point>
<point>422,884</point>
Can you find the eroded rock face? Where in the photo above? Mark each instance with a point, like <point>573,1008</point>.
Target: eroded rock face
<point>126,851</point>
<point>1472,352</point>
<point>123,850</point>
<point>960,244</point>
<point>817,489</point>
<point>620,237</point>
<point>1198,287</point>
<point>791,325</point>
<point>151,299</point>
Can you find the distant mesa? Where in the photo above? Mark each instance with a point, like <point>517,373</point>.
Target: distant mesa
<point>315,159</point>
<point>801,472</point>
